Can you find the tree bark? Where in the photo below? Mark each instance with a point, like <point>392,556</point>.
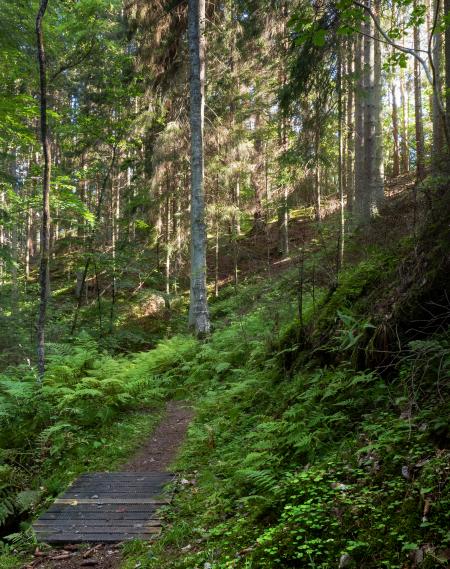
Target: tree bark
<point>350,180</point>
<point>341,246</point>
<point>395,134</point>
<point>438,133</point>
<point>420,142</point>
<point>404,147</point>
<point>317,180</point>
<point>359,124</point>
<point>198,309</point>
<point>168,241</point>
<point>377,166</point>
<point>363,202</point>
<point>370,189</point>
<point>45,229</point>
<point>447,68</point>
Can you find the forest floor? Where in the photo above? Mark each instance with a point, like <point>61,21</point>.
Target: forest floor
<point>156,455</point>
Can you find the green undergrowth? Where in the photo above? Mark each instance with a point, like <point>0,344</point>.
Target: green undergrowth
<point>93,409</point>
<point>90,413</point>
<point>322,463</point>
<point>303,452</point>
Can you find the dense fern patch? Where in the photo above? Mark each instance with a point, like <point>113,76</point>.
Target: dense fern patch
<point>89,413</point>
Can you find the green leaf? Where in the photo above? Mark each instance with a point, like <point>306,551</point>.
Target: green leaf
<point>319,37</point>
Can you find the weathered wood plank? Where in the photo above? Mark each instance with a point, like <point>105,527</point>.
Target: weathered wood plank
<point>124,500</point>
<point>42,524</point>
<point>95,538</point>
<point>111,492</point>
<point>100,529</point>
<point>102,508</point>
<point>117,516</point>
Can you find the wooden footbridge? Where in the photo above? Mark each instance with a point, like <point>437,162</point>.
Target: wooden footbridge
<point>106,507</point>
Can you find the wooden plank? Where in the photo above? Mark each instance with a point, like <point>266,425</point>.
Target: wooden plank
<point>117,516</point>
<point>116,487</point>
<point>112,490</point>
<point>124,500</point>
<point>95,538</point>
<point>105,508</point>
<point>134,476</point>
<point>92,523</point>
<point>123,479</point>
<point>100,529</point>
<point>113,495</point>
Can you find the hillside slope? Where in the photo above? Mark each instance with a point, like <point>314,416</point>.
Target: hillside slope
<point>327,445</point>
<point>321,432</point>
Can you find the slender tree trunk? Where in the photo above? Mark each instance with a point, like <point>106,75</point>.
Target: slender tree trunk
<point>395,134</point>
<point>14,267</point>
<point>237,204</point>
<point>177,233</point>
<point>360,102</point>
<point>340,167</point>
<point>438,133</point>
<point>317,178</point>
<point>159,225</point>
<point>168,245</point>
<point>29,243</point>
<point>45,231</point>
<point>364,198</point>
<point>216,258</point>
<point>198,309</point>
<point>395,120</point>
<point>420,142</point>
<point>2,240</point>
<point>377,168</point>
<point>404,146</point>
<point>447,70</point>
<point>350,180</point>
<point>14,239</point>
<point>113,210</point>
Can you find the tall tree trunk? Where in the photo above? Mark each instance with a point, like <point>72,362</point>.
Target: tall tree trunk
<point>377,166</point>
<point>216,257</point>
<point>359,124</point>
<point>45,230</point>
<point>404,146</point>
<point>364,194</point>
<point>114,216</point>
<point>14,237</point>
<point>198,309</point>
<point>447,71</point>
<point>438,133</point>
<point>420,142</point>
<point>340,167</point>
<point>29,244</point>
<point>372,193</point>
<point>168,243</point>
<point>2,239</point>
<point>317,180</point>
<point>283,212</point>
<point>350,180</point>
<point>395,133</point>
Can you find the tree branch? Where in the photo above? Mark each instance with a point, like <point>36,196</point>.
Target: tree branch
<point>74,63</point>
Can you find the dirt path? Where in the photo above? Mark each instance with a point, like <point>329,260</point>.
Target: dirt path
<point>155,455</point>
